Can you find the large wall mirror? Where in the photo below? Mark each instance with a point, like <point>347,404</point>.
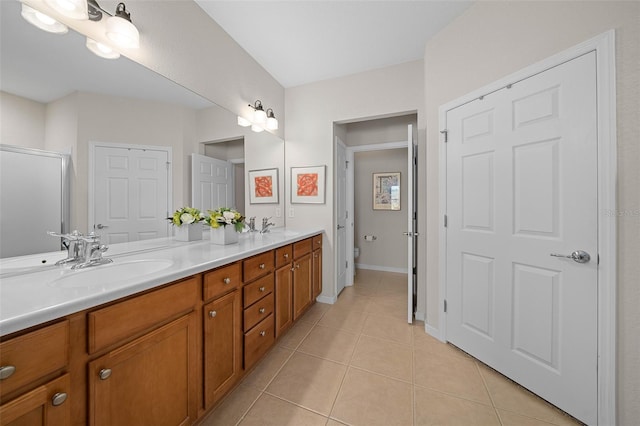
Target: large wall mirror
<point>57,96</point>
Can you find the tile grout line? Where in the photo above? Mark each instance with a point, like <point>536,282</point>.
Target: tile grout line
<point>486,387</point>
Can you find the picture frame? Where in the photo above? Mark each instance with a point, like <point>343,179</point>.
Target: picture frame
<point>386,191</point>
<point>263,186</point>
<point>308,185</point>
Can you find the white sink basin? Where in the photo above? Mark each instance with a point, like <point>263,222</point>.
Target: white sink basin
<point>102,275</point>
<point>31,262</point>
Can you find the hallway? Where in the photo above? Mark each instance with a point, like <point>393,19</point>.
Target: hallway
<point>359,363</point>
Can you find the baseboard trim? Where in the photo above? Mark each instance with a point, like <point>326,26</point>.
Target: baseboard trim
<point>381,268</point>
<point>433,332</point>
<point>327,299</point>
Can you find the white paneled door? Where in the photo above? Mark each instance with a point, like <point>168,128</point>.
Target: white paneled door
<point>130,193</point>
<point>522,216</point>
<point>342,216</point>
<point>211,183</point>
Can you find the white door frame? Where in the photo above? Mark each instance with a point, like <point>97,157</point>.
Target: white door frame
<point>91,171</point>
<point>604,46</point>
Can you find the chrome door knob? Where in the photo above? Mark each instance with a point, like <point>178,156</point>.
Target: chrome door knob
<point>579,256</point>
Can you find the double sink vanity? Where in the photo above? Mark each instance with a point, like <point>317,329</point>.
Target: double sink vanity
<point>156,337</point>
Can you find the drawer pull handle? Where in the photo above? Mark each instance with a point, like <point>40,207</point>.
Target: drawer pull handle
<point>104,374</point>
<point>261,310</point>
<point>286,255</point>
<point>261,289</point>
<point>261,266</point>
<point>263,333</point>
<point>213,314</point>
<point>298,266</point>
<point>226,280</point>
<point>7,371</point>
<point>293,269</point>
<point>58,399</point>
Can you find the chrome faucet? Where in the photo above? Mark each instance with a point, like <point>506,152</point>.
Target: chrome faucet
<point>82,250</point>
<point>252,224</point>
<point>266,225</point>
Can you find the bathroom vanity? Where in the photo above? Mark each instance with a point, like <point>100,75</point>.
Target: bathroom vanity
<point>157,337</point>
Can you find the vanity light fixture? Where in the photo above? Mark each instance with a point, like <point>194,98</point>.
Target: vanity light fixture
<point>256,128</point>
<point>101,50</point>
<point>42,21</point>
<point>121,30</point>
<point>259,116</point>
<point>272,122</point>
<point>243,122</point>
<point>74,9</point>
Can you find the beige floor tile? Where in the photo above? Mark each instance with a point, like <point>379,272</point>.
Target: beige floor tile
<point>233,407</point>
<point>295,335</point>
<point>388,327</point>
<point>271,411</point>
<point>389,306</point>
<point>512,419</point>
<point>268,367</point>
<point>332,422</point>
<point>424,342</point>
<point>315,312</point>
<point>353,302</point>
<point>512,397</point>
<point>452,375</point>
<point>384,357</point>
<point>370,399</point>
<point>343,319</point>
<point>329,343</point>
<point>434,408</point>
<point>308,381</point>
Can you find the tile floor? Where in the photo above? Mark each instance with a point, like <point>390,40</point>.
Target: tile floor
<point>358,362</point>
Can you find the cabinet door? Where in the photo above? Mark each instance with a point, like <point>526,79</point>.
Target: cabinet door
<point>317,273</point>
<point>148,381</point>
<point>301,285</point>
<point>222,345</point>
<point>45,405</point>
<point>284,299</point>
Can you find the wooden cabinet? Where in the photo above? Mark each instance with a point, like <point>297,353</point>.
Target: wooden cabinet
<point>222,346</point>
<point>284,298</point>
<point>301,285</point>
<point>46,405</point>
<point>316,267</point>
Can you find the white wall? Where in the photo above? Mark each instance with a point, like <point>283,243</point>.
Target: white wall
<point>494,39</point>
<point>389,250</point>
<point>22,121</point>
<point>311,112</point>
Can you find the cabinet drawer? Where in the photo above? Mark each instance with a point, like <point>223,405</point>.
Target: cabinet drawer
<point>257,290</point>
<point>221,280</point>
<point>27,358</point>
<point>284,256</point>
<point>258,341</point>
<point>301,248</point>
<point>48,404</point>
<point>317,242</point>
<point>258,311</point>
<point>114,323</point>
<point>257,266</point>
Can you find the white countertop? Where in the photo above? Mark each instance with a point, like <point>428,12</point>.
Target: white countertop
<point>46,292</point>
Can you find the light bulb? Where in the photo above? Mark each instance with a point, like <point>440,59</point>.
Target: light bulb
<point>75,9</point>
<point>256,128</point>
<point>122,32</point>
<point>272,123</point>
<point>101,50</point>
<point>243,122</point>
<point>42,21</point>
<point>259,116</point>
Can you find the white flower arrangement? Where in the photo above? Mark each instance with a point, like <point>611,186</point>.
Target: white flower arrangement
<point>186,216</point>
<point>224,216</point>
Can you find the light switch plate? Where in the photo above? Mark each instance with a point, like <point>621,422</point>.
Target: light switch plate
<point>291,212</point>
<point>278,212</point>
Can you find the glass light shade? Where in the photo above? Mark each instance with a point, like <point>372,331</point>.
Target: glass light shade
<point>101,50</point>
<point>243,122</point>
<point>74,9</point>
<point>256,128</point>
<point>259,116</point>
<point>42,21</point>
<point>122,32</point>
<point>272,123</point>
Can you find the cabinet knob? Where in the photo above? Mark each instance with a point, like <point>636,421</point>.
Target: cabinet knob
<point>286,255</point>
<point>298,266</point>
<point>261,266</point>
<point>293,269</point>
<point>213,314</point>
<point>263,333</point>
<point>261,310</point>
<point>58,399</point>
<point>261,289</point>
<point>315,255</point>
<point>104,374</point>
<point>7,371</point>
<point>226,280</point>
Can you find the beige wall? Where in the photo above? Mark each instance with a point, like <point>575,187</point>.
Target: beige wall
<point>22,121</point>
<point>493,39</point>
<point>311,112</point>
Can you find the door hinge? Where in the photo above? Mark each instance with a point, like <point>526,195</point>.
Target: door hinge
<point>415,270</point>
<point>346,164</point>
<point>445,306</point>
<point>346,214</point>
<point>168,164</point>
<point>445,220</point>
<point>445,132</point>
<point>346,265</point>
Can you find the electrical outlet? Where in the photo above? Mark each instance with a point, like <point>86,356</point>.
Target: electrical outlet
<point>291,212</point>
<point>278,212</point>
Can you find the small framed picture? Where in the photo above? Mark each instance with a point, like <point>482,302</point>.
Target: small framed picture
<point>308,184</point>
<point>386,191</point>
<point>263,186</point>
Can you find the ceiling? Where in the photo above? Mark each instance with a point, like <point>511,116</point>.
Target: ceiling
<point>303,41</point>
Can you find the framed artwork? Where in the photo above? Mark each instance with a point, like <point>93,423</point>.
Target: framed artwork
<point>308,184</point>
<point>386,191</point>
<point>263,186</point>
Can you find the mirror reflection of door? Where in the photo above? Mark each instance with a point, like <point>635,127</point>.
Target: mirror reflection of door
<point>230,188</point>
<point>130,187</point>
